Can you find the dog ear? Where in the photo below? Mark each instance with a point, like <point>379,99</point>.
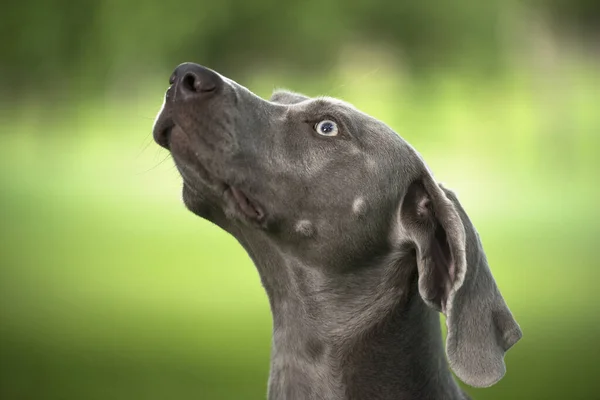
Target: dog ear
<point>282,96</point>
<point>454,278</point>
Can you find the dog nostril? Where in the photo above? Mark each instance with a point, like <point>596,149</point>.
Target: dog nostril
<point>196,84</point>
<point>190,82</point>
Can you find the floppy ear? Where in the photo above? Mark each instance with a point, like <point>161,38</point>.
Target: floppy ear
<point>286,97</point>
<point>454,278</point>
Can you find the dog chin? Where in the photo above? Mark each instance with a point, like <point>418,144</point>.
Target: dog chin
<point>197,202</point>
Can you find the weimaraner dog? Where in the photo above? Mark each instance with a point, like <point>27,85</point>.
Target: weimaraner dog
<point>357,246</point>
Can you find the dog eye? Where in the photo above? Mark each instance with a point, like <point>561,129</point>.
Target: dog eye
<point>326,128</point>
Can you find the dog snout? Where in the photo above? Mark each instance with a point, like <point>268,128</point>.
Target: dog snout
<point>193,81</point>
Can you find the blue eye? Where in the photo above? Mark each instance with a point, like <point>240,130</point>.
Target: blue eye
<point>326,128</point>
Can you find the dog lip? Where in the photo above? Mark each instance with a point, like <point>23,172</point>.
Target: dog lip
<point>162,133</point>
<point>245,204</point>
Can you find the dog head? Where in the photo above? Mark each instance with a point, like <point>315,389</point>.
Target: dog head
<point>336,188</point>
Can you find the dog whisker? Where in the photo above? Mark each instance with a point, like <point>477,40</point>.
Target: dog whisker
<point>155,166</point>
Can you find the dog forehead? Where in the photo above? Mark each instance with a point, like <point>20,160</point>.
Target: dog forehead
<point>324,105</point>
<point>333,101</point>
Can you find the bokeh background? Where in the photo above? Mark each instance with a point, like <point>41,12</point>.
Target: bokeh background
<point>110,289</point>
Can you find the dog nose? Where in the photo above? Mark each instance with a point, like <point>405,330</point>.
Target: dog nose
<point>195,81</point>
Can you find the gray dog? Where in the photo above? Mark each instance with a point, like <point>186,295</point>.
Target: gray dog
<point>357,246</point>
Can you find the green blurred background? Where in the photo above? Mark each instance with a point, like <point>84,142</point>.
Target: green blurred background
<point>110,289</point>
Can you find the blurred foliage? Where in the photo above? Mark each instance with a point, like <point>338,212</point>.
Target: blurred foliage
<point>583,15</point>
<point>85,44</point>
<point>110,289</point>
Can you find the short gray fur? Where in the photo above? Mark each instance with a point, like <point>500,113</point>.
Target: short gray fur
<point>357,246</point>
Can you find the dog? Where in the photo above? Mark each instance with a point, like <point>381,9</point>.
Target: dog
<point>357,246</point>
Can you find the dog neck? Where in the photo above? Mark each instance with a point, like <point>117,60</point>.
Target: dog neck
<point>381,341</point>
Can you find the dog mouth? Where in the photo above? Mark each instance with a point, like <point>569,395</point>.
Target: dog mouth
<point>245,204</point>
<point>162,131</point>
<point>231,193</point>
